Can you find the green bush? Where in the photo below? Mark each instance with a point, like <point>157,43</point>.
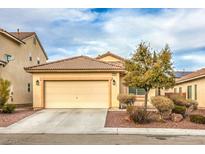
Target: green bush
<point>179,100</point>
<point>4,91</point>
<point>8,108</point>
<point>194,103</point>
<point>179,110</point>
<point>126,99</point>
<point>163,104</point>
<point>141,116</point>
<point>196,118</point>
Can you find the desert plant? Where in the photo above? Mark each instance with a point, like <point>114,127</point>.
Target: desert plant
<point>197,118</point>
<point>8,108</point>
<point>130,109</point>
<point>179,100</point>
<point>127,99</point>
<point>194,103</point>
<point>179,110</point>
<point>4,91</point>
<point>141,116</point>
<point>163,104</point>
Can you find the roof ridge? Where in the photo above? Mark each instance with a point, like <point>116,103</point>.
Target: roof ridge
<point>109,53</point>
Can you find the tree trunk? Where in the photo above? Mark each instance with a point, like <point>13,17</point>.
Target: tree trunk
<point>159,92</point>
<point>145,100</point>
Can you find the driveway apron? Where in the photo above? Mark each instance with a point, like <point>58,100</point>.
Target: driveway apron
<point>61,121</point>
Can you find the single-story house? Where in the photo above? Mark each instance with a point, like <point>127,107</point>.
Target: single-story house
<point>78,82</point>
<point>193,84</point>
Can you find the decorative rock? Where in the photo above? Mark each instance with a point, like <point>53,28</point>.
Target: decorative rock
<point>128,119</point>
<point>189,110</point>
<point>123,106</point>
<point>166,115</point>
<point>176,117</point>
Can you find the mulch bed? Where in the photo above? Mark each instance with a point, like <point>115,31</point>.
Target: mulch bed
<point>8,119</point>
<point>120,119</point>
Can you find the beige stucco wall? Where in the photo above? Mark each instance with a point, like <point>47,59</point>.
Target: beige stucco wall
<point>109,58</point>
<point>14,70</point>
<point>37,94</point>
<point>200,90</point>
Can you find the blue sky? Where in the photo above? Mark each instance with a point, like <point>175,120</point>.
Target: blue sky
<point>71,32</point>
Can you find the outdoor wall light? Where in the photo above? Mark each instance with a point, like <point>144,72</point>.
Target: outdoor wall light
<point>37,82</point>
<point>113,82</point>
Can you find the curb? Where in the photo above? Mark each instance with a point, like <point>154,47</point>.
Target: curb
<point>119,131</point>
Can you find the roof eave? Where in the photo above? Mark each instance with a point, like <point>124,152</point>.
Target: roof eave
<point>69,71</point>
<point>13,37</point>
<point>41,47</point>
<point>190,79</point>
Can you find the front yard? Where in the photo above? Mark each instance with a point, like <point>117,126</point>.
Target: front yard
<point>121,119</point>
<point>8,119</point>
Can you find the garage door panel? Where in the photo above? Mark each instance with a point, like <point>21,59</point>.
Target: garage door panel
<point>76,94</point>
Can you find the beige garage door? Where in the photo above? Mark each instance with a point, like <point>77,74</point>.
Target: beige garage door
<point>76,94</point>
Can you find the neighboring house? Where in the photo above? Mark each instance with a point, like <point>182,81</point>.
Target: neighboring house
<point>19,50</point>
<point>193,85</point>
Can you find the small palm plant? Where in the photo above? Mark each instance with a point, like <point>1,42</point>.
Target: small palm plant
<point>4,91</point>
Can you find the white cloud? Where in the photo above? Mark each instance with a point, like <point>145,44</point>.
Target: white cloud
<point>67,32</point>
<point>194,58</point>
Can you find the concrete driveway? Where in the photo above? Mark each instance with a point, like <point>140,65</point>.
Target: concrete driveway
<point>61,121</point>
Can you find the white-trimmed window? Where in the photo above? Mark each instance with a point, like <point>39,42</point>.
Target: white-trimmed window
<point>8,57</point>
<point>189,92</point>
<point>195,92</point>
<point>30,57</point>
<point>136,91</point>
<point>38,60</point>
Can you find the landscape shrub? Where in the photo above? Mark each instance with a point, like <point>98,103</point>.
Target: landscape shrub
<point>179,100</point>
<point>163,104</point>
<point>126,99</point>
<point>197,118</point>
<point>8,108</point>
<point>194,103</point>
<point>179,110</point>
<point>141,116</point>
<point>130,109</point>
<point>4,91</point>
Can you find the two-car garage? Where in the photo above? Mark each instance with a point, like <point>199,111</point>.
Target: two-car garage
<point>76,94</point>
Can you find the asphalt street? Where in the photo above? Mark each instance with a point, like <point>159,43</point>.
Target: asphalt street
<point>65,139</point>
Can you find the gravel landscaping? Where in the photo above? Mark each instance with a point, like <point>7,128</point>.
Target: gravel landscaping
<point>121,119</point>
<point>8,119</point>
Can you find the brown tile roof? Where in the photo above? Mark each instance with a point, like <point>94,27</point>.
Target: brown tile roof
<point>22,35</point>
<point>117,63</point>
<point>195,75</point>
<point>79,63</point>
<point>110,54</point>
